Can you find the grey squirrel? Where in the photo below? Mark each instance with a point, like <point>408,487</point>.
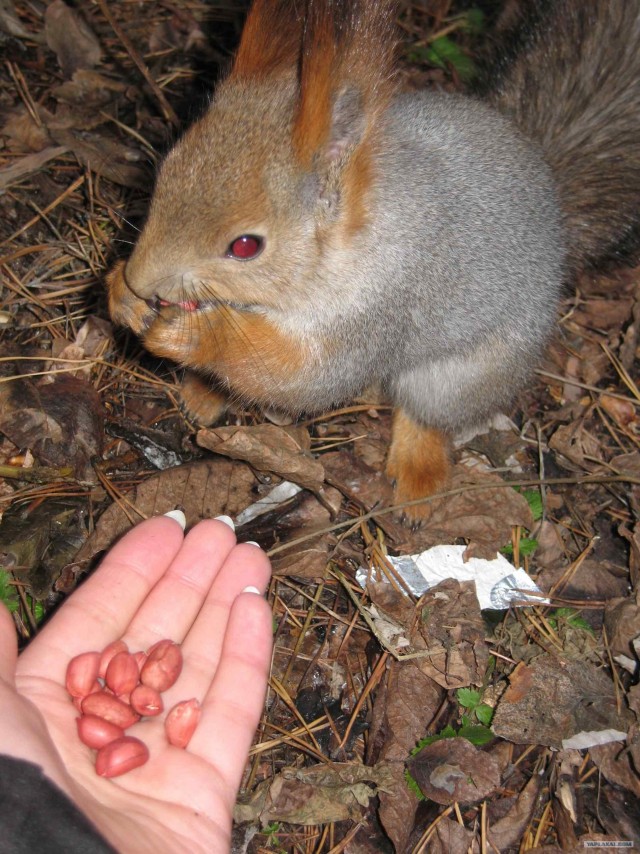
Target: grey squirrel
<point>320,231</point>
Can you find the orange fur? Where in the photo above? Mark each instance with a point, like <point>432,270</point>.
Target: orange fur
<point>270,40</point>
<point>357,180</point>
<point>339,43</point>
<point>244,350</point>
<point>418,462</point>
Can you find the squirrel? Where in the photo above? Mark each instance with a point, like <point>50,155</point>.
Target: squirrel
<point>319,230</point>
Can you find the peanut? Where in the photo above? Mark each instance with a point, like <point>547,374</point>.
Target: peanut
<point>110,708</point>
<point>181,722</point>
<point>82,672</point>
<point>122,674</point>
<point>107,654</point>
<point>146,701</point>
<point>96,732</point>
<point>122,755</point>
<point>163,666</point>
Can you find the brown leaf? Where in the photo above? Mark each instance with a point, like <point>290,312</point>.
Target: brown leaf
<point>316,795</point>
<point>60,419</point>
<point>452,629</point>
<point>452,769</point>
<point>510,830</point>
<point>485,517</point>
<point>576,443</point>
<point>450,837</point>
<point>405,704</point>
<point>622,622</point>
<point>267,448</point>
<point>551,700</point>
<point>613,762</point>
<point>104,156</point>
<point>623,412</point>
<point>203,490</point>
<point>71,38</point>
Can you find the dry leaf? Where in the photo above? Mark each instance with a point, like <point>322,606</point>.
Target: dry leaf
<point>203,490</point>
<point>71,38</point>
<point>551,700</point>
<point>485,517</point>
<point>60,419</point>
<point>452,630</point>
<point>452,769</point>
<point>267,448</point>
<point>316,795</point>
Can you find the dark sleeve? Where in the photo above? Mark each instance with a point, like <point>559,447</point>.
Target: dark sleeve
<point>36,816</point>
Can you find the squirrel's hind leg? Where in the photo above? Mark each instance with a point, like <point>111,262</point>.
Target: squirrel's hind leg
<point>418,462</point>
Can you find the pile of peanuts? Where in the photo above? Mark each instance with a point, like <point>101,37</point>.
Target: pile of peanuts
<point>114,689</point>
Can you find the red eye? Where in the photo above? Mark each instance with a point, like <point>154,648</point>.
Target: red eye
<point>245,247</point>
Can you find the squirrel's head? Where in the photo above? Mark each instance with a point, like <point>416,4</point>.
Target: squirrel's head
<point>276,173</point>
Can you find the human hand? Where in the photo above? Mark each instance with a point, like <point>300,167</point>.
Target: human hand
<point>153,584</point>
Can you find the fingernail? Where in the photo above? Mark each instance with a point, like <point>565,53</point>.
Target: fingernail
<point>227,521</point>
<point>252,589</point>
<point>253,543</point>
<point>179,517</point>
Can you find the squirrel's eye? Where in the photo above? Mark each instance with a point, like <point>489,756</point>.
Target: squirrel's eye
<point>245,247</point>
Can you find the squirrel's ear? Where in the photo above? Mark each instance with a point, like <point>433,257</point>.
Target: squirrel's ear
<point>271,39</point>
<point>342,87</point>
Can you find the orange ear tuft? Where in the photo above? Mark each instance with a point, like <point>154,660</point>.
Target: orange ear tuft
<point>346,75</point>
<point>270,40</point>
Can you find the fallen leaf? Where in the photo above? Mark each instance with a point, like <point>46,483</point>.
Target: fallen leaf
<point>70,37</point>
<point>316,795</point>
<point>267,448</point>
<point>510,829</point>
<point>405,704</point>
<point>452,769</point>
<point>60,419</point>
<point>453,633</point>
<point>484,517</point>
<point>551,700</point>
<point>203,490</point>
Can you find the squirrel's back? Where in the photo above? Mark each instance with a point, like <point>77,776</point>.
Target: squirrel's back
<point>569,78</point>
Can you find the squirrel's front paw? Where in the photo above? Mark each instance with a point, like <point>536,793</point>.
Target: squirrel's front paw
<point>200,403</point>
<point>419,464</point>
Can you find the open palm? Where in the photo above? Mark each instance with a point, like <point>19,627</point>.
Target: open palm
<point>154,584</point>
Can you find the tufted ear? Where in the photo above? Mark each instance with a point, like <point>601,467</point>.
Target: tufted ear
<point>346,75</point>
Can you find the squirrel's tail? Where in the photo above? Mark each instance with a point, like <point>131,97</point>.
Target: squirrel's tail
<point>570,80</point>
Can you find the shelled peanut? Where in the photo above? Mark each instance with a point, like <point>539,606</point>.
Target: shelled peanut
<point>114,689</point>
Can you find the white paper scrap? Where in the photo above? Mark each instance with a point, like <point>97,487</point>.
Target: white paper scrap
<point>278,495</point>
<point>586,740</point>
<point>499,585</point>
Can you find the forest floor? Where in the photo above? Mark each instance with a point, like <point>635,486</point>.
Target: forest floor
<point>372,694</point>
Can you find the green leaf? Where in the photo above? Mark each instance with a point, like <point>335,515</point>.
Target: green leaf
<point>527,547</point>
<point>484,713</point>
<point>447,732</point>
<point>468,698</point>
<point>474,20</point>
<point>570,616</point>
<point>445,52</point>
<point>477,735</point>
<point>413,786</point>
<point>8,592</point>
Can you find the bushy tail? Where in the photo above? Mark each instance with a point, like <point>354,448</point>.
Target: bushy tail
<point>571,81</point>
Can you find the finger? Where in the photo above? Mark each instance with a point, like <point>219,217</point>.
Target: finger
<point>175,601</point>
<point>246,566</point>
<point>101,609</point>
<point>232,708</point>
<point>8,646</point>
